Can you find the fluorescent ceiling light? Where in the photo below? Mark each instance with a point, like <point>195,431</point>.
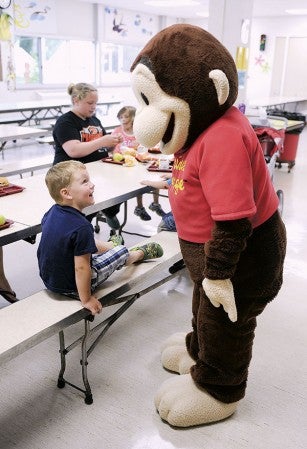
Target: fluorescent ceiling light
<point>171,3</point>
<point>297,11</point>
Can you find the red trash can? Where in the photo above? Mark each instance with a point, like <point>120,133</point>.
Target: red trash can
<point>288,154</point>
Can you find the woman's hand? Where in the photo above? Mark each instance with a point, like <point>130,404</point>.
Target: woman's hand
<point>111,140</point>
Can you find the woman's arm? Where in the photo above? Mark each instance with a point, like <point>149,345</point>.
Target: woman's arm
<point>77,149</point>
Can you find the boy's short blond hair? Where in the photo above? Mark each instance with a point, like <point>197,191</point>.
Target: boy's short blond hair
<point>60,176</point>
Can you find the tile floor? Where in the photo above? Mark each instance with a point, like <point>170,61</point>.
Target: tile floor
<point>125,370</point>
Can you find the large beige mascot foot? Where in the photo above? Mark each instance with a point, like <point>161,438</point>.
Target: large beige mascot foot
<point>182,404</point>
<point>177,339</point>
<point>177,359</point>
<point>174,355</point>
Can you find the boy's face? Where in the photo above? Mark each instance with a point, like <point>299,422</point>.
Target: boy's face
<point>80,192</point>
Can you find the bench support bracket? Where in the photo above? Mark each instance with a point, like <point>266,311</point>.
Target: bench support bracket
<point>102,327</point>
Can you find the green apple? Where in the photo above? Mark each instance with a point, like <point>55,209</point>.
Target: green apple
<point>2,220</point>
<point>117,157</point>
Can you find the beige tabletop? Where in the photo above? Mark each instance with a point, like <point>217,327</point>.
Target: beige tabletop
<point>114,184</point>
<point>14,132</point>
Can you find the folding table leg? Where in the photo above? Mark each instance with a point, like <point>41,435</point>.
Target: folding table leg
<point>63,352</point>
<point>88,392</point>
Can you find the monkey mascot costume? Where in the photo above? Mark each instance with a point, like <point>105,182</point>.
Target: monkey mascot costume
<point>231,235</point>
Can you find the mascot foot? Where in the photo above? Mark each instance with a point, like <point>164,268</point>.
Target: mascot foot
<point>174,355</point>
<point>177,359</point>
<point>182,404</point>
<point>177,339</point>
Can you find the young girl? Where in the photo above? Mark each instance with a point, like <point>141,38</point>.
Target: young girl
<point>126,116</point>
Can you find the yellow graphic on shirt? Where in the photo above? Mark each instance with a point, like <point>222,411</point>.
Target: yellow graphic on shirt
<point>177,183</point>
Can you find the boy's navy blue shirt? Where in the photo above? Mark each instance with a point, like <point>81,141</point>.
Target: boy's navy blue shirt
<point>65,233</point>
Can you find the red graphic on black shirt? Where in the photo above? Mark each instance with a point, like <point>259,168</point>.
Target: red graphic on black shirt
<point>90,133</point>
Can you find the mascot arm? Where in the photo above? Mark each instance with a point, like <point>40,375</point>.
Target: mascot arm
<point>222,255</point>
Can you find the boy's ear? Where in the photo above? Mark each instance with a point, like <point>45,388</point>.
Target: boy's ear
<point>65,193</point>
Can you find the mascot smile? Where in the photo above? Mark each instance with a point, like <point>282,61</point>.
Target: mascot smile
<point>231,235</point>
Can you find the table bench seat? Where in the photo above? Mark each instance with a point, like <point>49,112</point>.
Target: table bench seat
<point>34,319</point>
<point>26,166</point>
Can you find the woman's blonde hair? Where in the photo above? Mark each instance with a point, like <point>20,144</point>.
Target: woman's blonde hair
<point>80,90</point>
<point>60,176</point>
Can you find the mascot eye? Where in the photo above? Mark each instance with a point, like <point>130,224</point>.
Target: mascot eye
<point>145,99</point>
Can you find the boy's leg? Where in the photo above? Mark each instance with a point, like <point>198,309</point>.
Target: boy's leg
<point>155,206</point>
<point>140,210</point>
<point>103,265</point>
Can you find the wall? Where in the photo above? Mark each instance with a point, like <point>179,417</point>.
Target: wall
<point>78,19</point>
<point>261,64</point>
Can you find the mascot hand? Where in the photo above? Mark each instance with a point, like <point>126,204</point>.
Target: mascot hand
<point>219,292</point>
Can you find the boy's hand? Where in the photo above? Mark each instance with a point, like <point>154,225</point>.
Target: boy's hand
<point>93,305</point>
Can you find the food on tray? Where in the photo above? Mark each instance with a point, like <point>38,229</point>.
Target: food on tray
<point>130,161</point>
<point>4,181</point>
<point>118,157</point>
<point>129,151</point>
<point>144,157</point>
<point>2,220</point>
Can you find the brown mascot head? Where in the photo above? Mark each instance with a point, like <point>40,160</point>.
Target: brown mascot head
<point>184,80</point>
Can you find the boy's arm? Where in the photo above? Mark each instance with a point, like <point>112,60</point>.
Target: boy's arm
<point>156,184</point>
<point>83,282</point>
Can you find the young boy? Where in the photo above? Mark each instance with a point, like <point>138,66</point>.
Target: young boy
<point>70,261</point>
<point>167,223</point>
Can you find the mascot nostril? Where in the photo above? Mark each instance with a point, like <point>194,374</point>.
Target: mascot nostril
<point>170,129</point>
<point>221,192</point>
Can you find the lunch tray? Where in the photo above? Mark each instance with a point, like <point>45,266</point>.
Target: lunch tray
<point>154,167</point>
<point>109,160</point>
<point>7,224</point>
<point>10,189</point>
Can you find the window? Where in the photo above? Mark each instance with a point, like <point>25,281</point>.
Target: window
<point>26,51</point>
<point>115,62</point>
<point>49,61</point>
<point>53,61</point>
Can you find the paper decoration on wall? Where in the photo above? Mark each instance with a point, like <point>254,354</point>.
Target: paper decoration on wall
<point>242,64</point>
<point>262,42</point>
<point>123,25</point>
<point>35,18</point>
<point>245,31</point>
<point>262,63</point>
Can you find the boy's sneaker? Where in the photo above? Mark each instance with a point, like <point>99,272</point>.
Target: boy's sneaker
<point>156,207</point>
<point>151,250</point>
<point>141,212</point>
<point>116,240</point>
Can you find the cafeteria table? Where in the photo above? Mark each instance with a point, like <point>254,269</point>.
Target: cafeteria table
<point>33,112</point>
<point>114,184</point>
<point>15,132</point>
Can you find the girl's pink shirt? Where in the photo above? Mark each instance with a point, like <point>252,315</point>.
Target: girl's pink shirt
<point>127,138</point>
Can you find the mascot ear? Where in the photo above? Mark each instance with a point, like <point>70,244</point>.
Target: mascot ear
<point>221,85</point>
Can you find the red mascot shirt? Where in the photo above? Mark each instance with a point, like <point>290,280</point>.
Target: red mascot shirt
<point>223,176</point>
